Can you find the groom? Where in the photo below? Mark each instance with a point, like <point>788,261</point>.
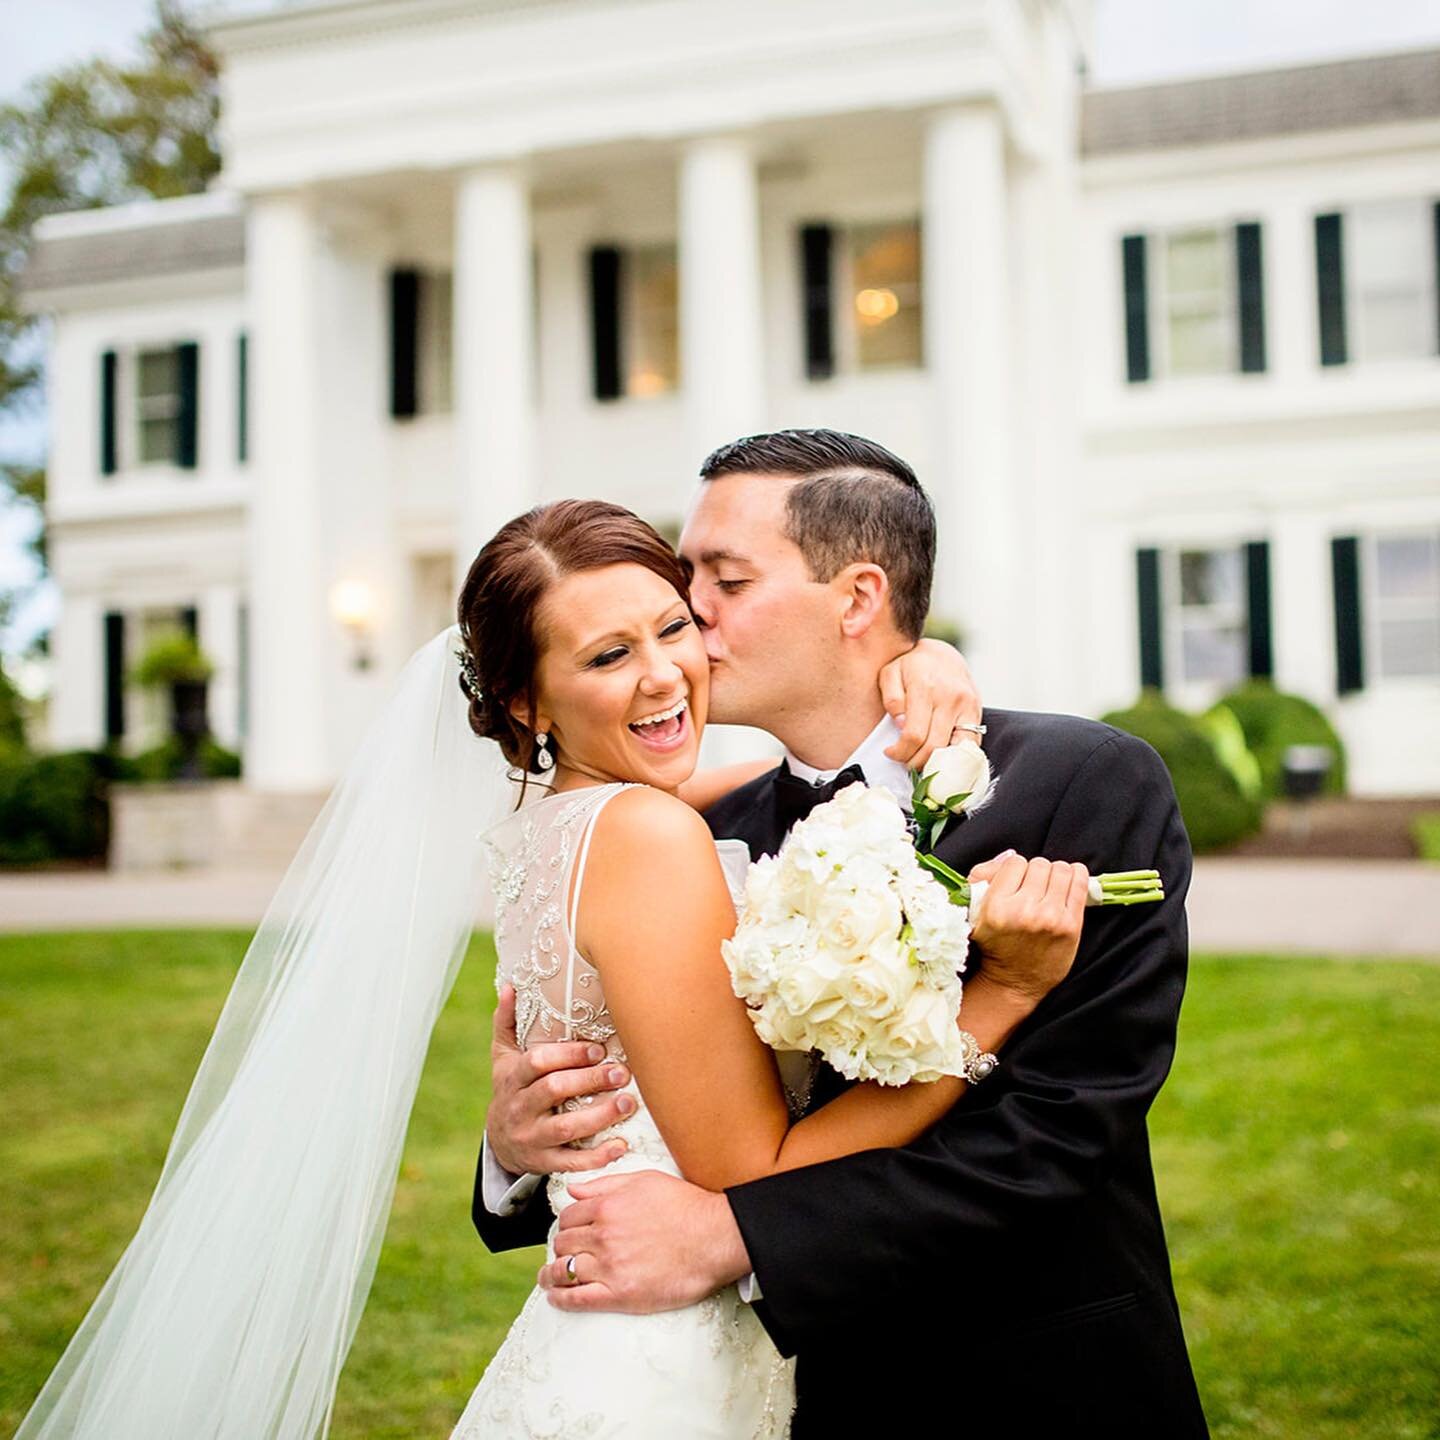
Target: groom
<point>1007,1273</point>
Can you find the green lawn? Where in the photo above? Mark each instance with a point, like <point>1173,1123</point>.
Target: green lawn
<point>1297,1147</point>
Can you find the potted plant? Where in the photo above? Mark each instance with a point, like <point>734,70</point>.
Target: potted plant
<point>176,661</point>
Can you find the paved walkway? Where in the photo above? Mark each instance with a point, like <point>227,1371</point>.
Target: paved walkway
<point>1316,907</point>
<point>1323,907</point>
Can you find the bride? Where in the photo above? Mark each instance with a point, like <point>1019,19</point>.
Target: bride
<point>232,1310</point>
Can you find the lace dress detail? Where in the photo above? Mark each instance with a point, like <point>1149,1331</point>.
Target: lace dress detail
<point>709,1370</point>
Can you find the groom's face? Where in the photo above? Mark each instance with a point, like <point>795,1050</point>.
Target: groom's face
<point>769,627</point>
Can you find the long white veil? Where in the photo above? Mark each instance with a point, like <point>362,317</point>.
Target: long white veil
<point>230,1313</point>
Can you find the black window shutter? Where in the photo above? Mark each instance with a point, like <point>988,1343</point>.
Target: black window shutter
<point>404,342</point>
<point>1349,647</point>
<point>242,668</point>
<point>1435,222</point>
<point>1250,270</point>
<point>1137,321</point>
<point>114,675</point>
<point>605,287</point>
<point>1330,288</point>
<point>109,456</point>
<point>190,621</point>
<point>1257,595</point>
<point>187,363</point>
<point>817,245</point>
<point>242,397</point>
<point>1147,575</point>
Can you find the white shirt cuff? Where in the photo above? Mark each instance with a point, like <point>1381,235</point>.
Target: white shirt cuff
<point>502,1192</point>
<point>749,1289</point>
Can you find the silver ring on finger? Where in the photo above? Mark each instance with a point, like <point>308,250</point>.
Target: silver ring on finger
<point>973,729</point>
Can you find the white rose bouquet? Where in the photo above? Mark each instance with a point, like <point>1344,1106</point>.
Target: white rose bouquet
<point>851,942</point>
<point>846,945</point>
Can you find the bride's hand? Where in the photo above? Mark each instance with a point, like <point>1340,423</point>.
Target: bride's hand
<point>524,1132</point>
<point>1029,922</point>
<point>928,692</point>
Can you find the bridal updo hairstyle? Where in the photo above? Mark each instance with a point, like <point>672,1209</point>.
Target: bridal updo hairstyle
<point>500,600</point>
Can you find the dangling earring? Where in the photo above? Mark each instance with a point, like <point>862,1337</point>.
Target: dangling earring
<point>543,758</point>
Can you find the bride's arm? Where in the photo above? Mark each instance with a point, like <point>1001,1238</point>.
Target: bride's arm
<point>652,915</point>
<point>705,787</point>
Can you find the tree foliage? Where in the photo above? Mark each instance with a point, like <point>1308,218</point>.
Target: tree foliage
<point>93,134</point>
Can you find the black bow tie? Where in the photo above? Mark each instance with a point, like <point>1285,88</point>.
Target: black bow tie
<point>796,798</point>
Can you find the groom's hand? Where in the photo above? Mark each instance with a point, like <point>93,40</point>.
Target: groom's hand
<point>525,1132</point>
<point>928,692</point>
<point>1028,926</point>
<point>642,1243</point>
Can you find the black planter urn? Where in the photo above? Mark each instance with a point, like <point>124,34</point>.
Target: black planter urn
<point>189,724</point>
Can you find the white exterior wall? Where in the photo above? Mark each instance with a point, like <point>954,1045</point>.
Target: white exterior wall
<point>615,124</point>
<point>148,537</point>
<point>1295,455</point>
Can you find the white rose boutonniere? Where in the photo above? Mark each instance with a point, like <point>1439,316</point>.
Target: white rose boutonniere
<point>955,780</point>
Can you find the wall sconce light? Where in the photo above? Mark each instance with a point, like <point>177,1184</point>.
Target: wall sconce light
<point>352,603</point>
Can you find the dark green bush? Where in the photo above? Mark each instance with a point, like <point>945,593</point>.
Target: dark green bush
<point>1272,722</point>
<point>52,807</point>
<point>12,713</point>
<point>1215,808</point>
<point>163,763</point>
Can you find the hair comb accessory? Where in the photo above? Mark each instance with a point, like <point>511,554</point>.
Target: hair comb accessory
<point>469,676</point>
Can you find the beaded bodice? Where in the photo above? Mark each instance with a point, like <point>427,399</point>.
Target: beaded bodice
<point>535,860</point>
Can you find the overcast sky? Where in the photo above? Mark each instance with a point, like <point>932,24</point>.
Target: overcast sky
<point>1135,41</point>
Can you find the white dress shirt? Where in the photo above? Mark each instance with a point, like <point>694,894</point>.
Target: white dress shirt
<point>504,1193</point>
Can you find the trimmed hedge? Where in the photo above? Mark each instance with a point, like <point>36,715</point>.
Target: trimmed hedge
<point>1216,810</point>
<point>1273,721</point>
<point>163,763</point>
<point>57,807</point>
<point>53,807</point>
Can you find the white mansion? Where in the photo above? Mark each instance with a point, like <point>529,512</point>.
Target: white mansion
<point>1167,358</point>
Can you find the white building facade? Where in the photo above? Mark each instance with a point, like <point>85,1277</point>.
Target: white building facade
<point>1168,359</point>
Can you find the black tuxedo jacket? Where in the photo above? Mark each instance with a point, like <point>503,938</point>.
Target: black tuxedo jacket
<point>1008,1269</point>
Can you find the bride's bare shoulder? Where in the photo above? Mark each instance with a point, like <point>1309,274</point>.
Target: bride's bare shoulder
<point>643,816</point>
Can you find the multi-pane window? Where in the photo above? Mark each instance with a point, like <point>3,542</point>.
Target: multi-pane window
<point>436,344</point>
<point>1194,301</point>
<point>1197,299</point>
<point>1210,615</point>
<point>1405,605</point>
<point>651,321</point>
<point>1392,280</point>
<point>881,298</point>
<point>157,406</point>
<point>862,305</point>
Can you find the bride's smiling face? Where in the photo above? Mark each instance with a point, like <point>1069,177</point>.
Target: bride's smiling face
<point>622,682</point>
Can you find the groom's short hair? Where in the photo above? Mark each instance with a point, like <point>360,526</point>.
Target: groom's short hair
<point>855,501</point>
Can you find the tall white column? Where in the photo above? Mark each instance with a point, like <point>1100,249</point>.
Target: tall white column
<point>77,659</point>
<point>967,299</point>
<point>722,350</point>
<point>286,748</point>
<point>494,355</point>
<point>219,617</point>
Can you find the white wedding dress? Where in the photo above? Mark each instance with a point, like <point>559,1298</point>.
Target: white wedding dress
<point>708,1370</point>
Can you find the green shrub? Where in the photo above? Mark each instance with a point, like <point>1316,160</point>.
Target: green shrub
<point>171,658</point>
<point>1216,810</point>
<point>163,763</point>
<point>1228,739</point>
<point>1426,831</point>
<point>52,807</point>
<point>12,713</point>
<point>1272,722</point>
